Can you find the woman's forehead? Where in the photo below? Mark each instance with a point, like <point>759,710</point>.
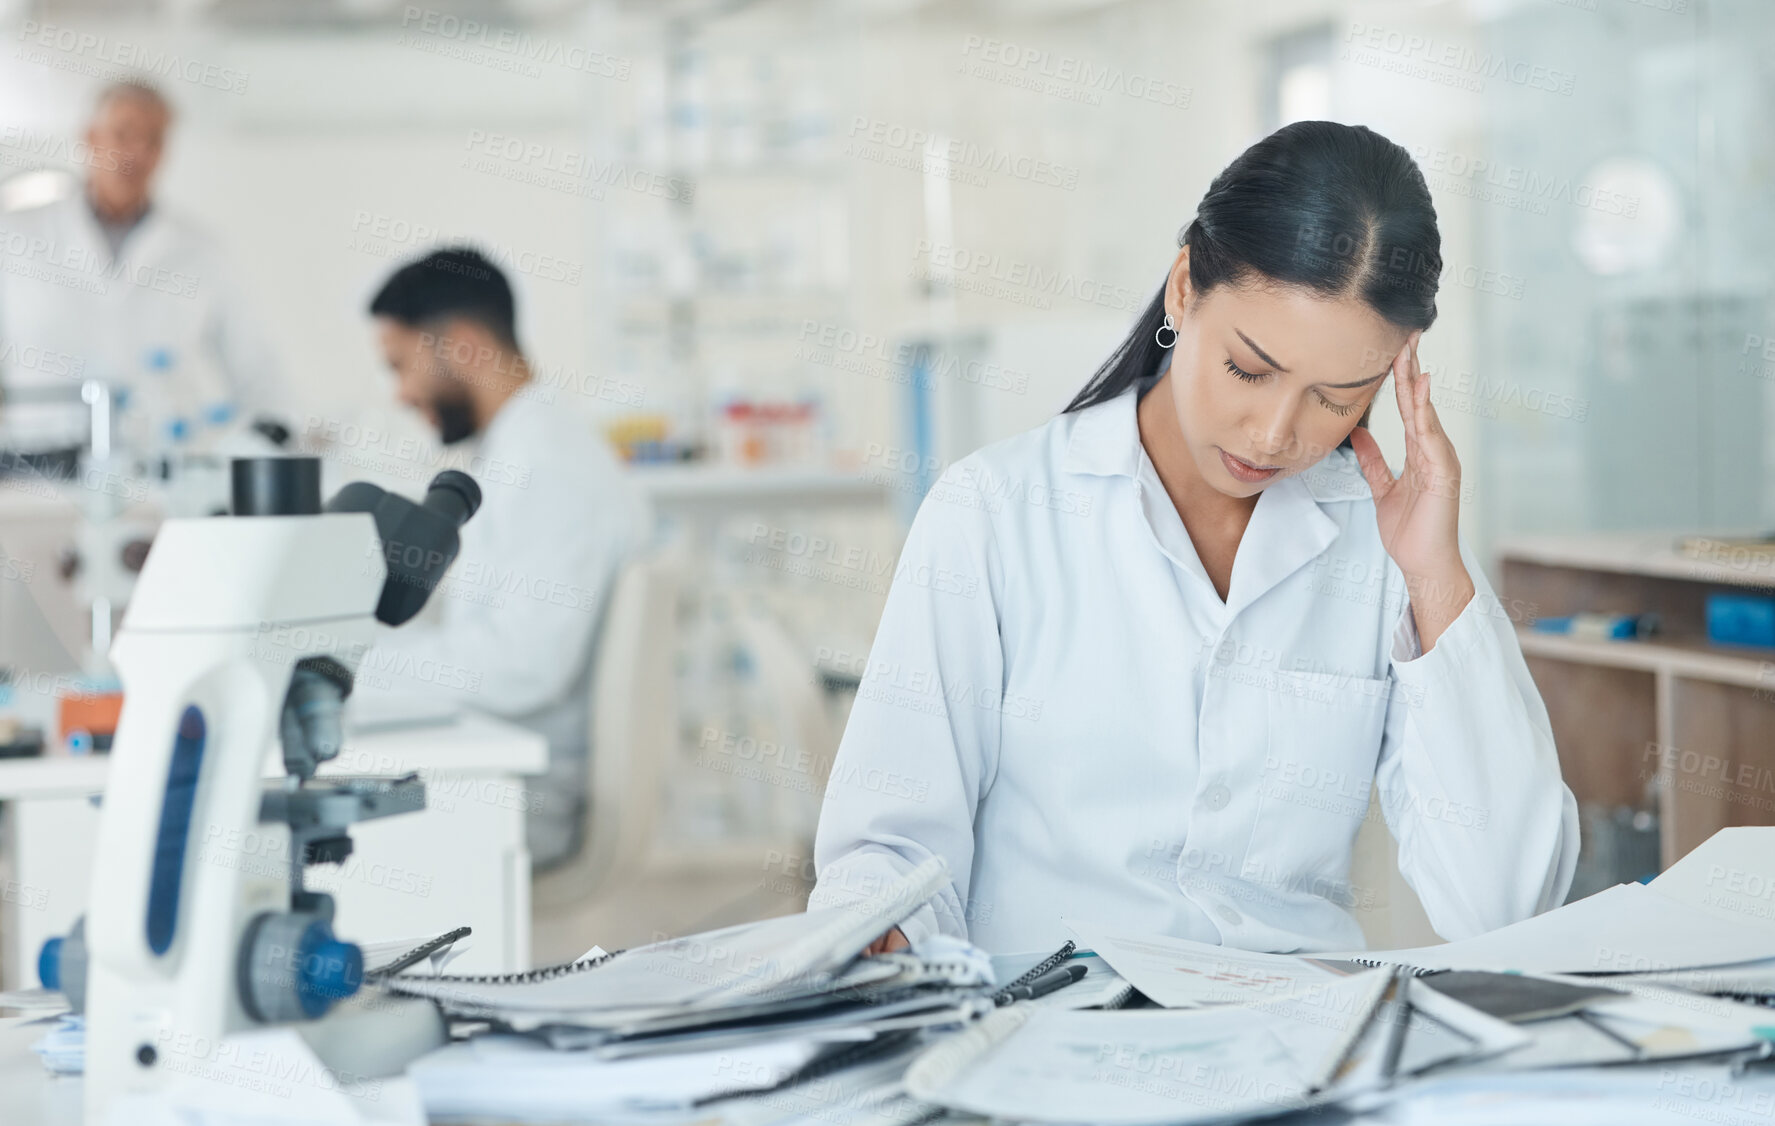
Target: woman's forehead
<point>1301,331</point>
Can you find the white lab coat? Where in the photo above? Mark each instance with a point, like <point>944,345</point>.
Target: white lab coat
<point>165,320</point>
<point>1059,704</point>
<point>520,606</point>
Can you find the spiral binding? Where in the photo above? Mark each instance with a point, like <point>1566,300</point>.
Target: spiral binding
<point>522,977</point>
<point>1376,964</point>
<point>1766,1000</point>
<point>1036,971</point>
<point>418,954</point>
<point>939,1064</point>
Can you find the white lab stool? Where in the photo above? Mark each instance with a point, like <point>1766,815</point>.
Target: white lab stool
<point>625,885</point>
<point>633,734</point>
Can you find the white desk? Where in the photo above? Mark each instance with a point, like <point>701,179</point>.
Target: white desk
<point>460,862</point>
<point>28,1093</point>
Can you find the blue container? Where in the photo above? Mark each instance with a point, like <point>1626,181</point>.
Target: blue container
<point>1741,619</point>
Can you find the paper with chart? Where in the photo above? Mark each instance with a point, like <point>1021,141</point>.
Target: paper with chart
<point>1119,1068</point>
<point>1145,1066</point>
<point>1180,974</point>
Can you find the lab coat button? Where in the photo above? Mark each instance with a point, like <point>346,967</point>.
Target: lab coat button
<point>1231,916</point>
<point>1216,797</point>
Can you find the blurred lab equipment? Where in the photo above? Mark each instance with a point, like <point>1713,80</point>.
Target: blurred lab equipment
<point>1610,627</point>
<point>127,364</point>
<point>221,661</point>
<point>1741,619</point>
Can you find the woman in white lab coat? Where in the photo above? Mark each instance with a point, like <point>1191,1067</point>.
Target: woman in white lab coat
<point>1141,665</point>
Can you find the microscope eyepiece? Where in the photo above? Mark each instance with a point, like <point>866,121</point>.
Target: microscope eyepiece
<point>418,540</point>
<point>276,486</point>
<point>453,495</point>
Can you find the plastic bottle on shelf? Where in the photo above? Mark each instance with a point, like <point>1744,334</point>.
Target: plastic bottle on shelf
<point>739,437</point>
<point>802,440</point>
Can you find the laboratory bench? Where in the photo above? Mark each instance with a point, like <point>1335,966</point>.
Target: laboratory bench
<point>462,861</point>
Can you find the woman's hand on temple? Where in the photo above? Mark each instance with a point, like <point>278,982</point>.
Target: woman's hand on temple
<point>1418,511</point>
<point>887,943</point>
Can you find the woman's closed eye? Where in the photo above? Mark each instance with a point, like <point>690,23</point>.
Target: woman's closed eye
<point>1241,372</point>
<point>1330,404</point>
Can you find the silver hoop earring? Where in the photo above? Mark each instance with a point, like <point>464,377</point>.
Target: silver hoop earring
<point>1166,327</point>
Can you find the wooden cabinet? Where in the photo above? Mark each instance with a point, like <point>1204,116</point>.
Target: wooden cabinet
<point>1674,721</point>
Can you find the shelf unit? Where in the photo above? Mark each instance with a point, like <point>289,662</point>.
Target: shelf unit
<point>705,297</point>
<point>721,488</point>
<point>1676,723</point>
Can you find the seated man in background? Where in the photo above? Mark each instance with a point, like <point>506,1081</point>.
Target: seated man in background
<point>558,519</point>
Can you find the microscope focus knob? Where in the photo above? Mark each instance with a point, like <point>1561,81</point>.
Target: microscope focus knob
<point>293,969</point>
<point>49,964</point>
<point>61,965</point>
<point>331,971</point>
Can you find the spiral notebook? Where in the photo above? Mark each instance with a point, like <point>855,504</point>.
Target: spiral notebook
<point>740,970</point>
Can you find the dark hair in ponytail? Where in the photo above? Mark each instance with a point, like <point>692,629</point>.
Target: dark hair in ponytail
<point>1334,209</point>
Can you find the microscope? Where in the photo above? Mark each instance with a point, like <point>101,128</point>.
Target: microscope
<point>244,632</point>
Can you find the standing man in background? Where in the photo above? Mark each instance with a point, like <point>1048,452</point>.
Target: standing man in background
<point>557,521</point>
<point>105,284</point>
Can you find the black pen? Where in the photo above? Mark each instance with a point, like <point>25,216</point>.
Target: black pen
<point>1395,1040</point>
<point>1346,1046</point>
<point>1056,978</point>
<point>1590,1019</point>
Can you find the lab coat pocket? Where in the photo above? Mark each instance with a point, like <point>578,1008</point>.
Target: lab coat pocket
<point>1324,739</point>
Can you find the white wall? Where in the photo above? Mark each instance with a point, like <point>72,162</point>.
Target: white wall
<point>336,134</point>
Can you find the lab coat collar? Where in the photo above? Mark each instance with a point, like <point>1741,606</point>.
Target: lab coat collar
<point>148,241</point>
<point>1288,526</point>
<point>509,416</point>
<point>1287,530</point>
<point>151,239</point>
<point>1105,439</point>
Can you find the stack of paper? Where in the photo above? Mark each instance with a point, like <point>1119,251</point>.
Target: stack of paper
<point>1592,983</point>
<point>1131,1068</point>
<point>780,1018</point>
<point>747,1010</point>
<point>785,1018</point>
<point>799,974</point>
<point>516,1078</point>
